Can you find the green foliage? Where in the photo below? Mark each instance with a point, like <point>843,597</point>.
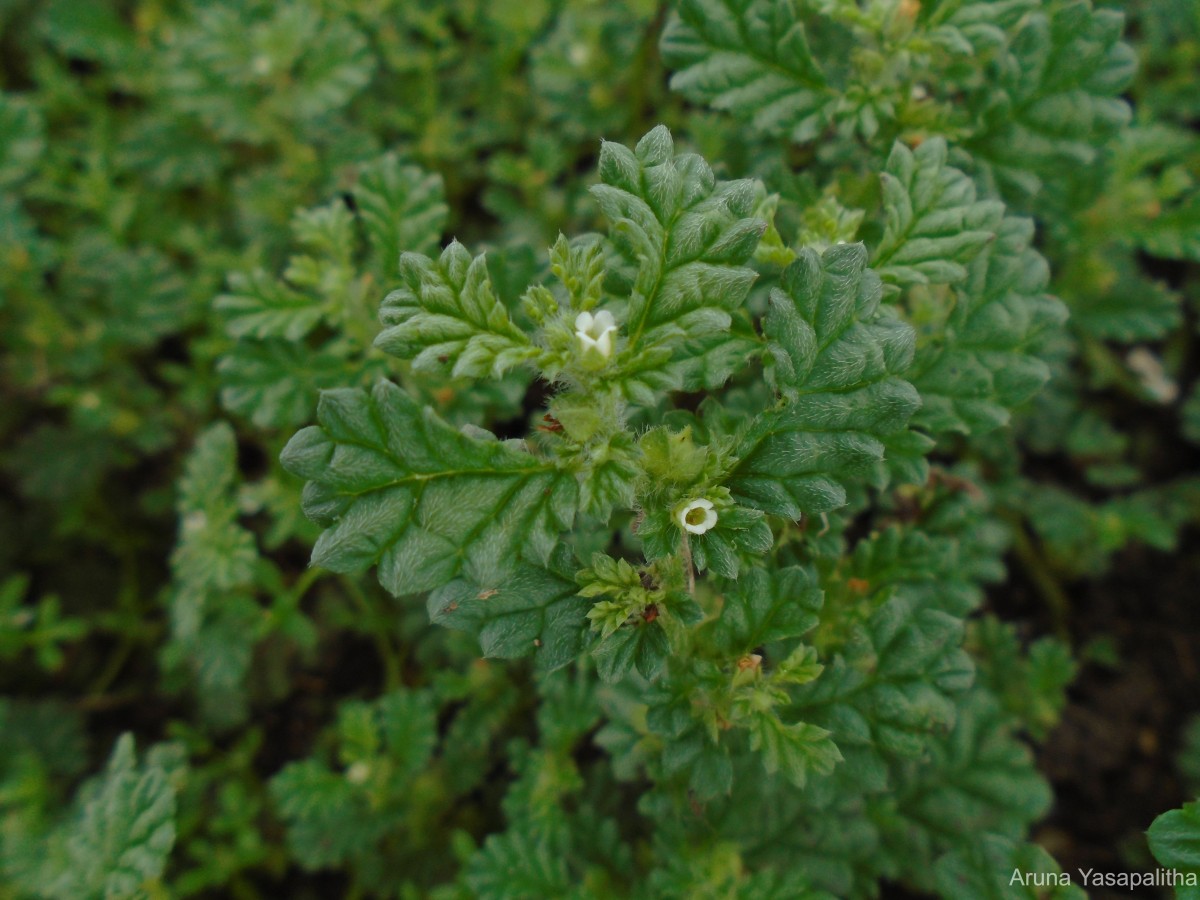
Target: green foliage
<point>1053,94</point>
<point>685,460</point>
<point>838,356</point>
<point>1175,842</point>
<point>399,488</point>
<point>687,238</point>
<point>447,314</point>
<point>752,59</point>
<point>117,841</point>
<point>985,870</point>
<point>534,610</point>
<point>935,224</point>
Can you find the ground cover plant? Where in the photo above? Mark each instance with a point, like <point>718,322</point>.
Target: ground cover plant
<point>556,448</point>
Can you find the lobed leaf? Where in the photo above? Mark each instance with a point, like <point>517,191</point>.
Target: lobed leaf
<point>689,237</point>
<point>838,357</point>
<point>795,749</point>
<point>275,383</point>
<point>398,488</point>
<point>446,316</point>
<point>123,832</point>
<point>403,207</point>
<point>767,607</point>
<point>984,363</point>
<point>934,223</point>
<point>261,306</point>
<point>535,610</point>
<point>985,870</point>
<point>750,58</point>
<point>1054,95</point>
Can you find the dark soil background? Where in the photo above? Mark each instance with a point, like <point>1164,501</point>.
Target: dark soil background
<point>1112,760</point>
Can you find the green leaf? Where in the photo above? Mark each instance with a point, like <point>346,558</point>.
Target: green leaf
<point>688,236</point>
<point>1031,686</point>
<point>978,778</point>
<point>609,482</point>
<point>119,840</point>
<point>403,208</point>
<point>88,29</point>
<point>246,73</point>
<point>534,610</point>
<point>710,772</point>
<point>892,688</point>
<point>985,870</point>
<point>642,645</point>
<point>275,383</point>
<point>520,864</point>
<point>837,356</point>
<point>935,224</point>
<point>1175,232</point>
<point>261,306</point>
<point>408,722</point>
<point>750,58</point>
<point>767,607</point>
<point>446,317</point>
<point>142,295</point>
<point>983,363</point>
<point>397,487</point>
<point>328,819</point>
<point>1175,842</point>
<point>22,139</point>
<point>213,552</point>
<point>1111,298</point>
<point>797,749</point>
<point>1051,100</point>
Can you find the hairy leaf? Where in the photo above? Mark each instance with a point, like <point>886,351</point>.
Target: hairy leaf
<point>123,831</point>
<point>984,364</point>
<point>767,607</point>
<point>935,224</point>
<point>689,237</point>
<point>396,487</point>
<point>447,317</point>
<point>750,58</point>
<point>1054,95</point>
<point>838,357</point>
<point>893,687</point>
<point>534,610</point>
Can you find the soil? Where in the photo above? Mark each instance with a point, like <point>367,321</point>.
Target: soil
<point>1112,760</point>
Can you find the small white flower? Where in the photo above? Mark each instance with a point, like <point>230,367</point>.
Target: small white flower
<point>697,516</point>
<point>595,332</point>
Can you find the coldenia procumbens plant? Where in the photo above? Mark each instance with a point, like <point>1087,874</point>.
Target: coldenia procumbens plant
<point>720,406</point>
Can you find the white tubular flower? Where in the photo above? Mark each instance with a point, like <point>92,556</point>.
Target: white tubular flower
<point>697,516</point>
<point>595,332</point>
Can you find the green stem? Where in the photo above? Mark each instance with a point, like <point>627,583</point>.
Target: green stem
<point>688,566</point>
<point>387,653</point>
<point>1043,579</point>
<point>303,583</point>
